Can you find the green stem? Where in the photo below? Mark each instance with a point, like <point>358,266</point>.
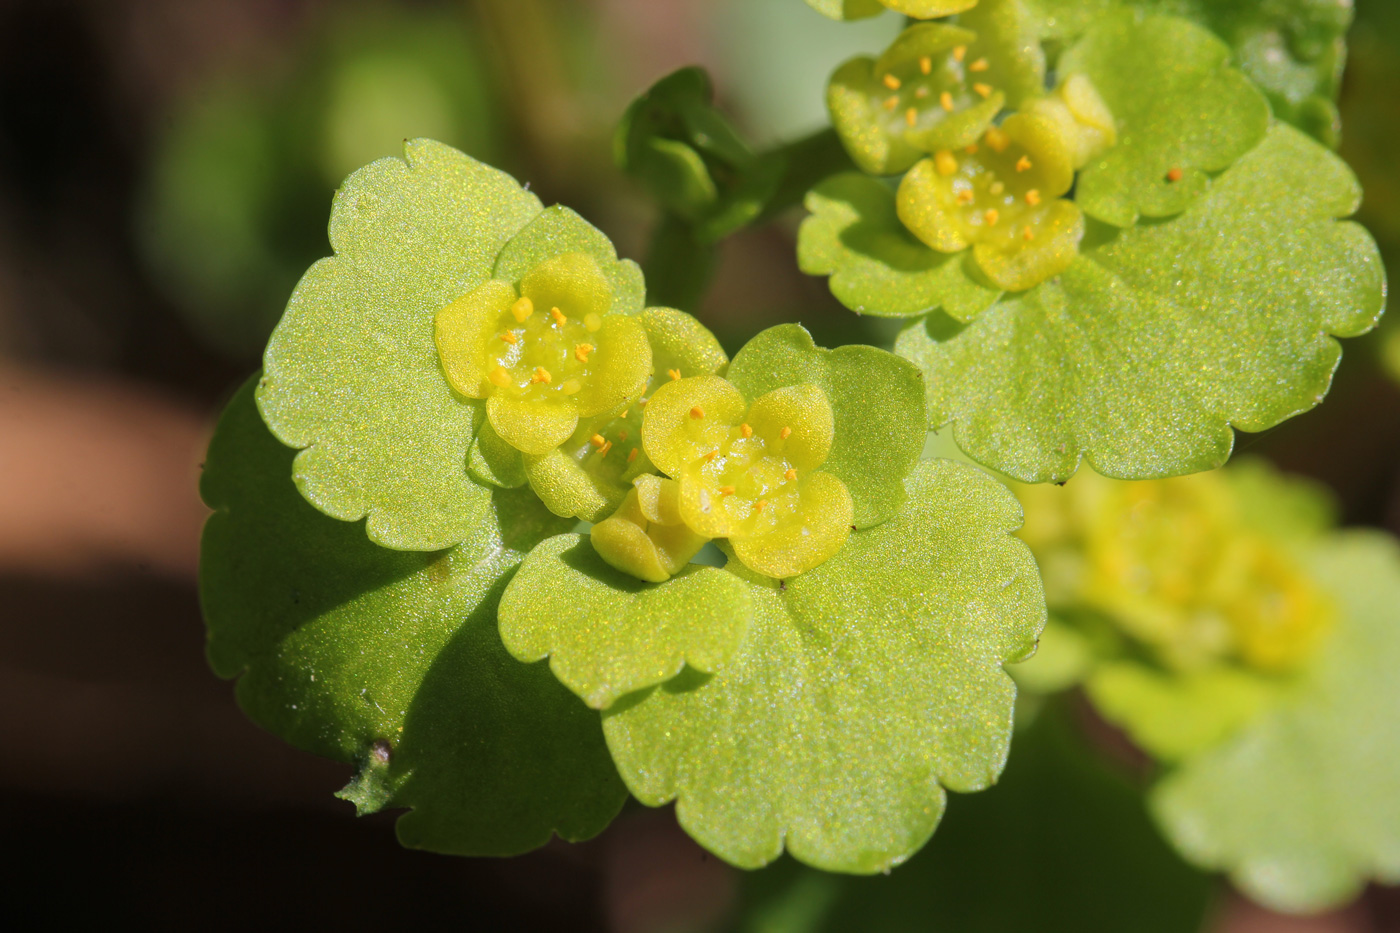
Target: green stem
<point>678,267</point>
<point>808,161</point>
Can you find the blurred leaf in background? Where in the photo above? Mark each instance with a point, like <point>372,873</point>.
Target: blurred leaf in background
<point>234,208</point>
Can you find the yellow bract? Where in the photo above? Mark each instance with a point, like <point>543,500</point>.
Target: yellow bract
<point>744,472</point>
<point>543,355</point>
<point>1174,565</point>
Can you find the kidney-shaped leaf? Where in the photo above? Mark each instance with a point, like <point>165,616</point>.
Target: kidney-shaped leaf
<point>866,687</point>
<point>1155,341</point>
<point>352,373</point>
<point>391,660</point>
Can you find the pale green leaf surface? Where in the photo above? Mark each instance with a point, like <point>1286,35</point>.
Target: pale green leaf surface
<point>866,687</point>
<point>606,633</point>
<point>876,265</point>
<point>391,659</point>
<point>1174,715</point>
<point>1062,844</point>
<point>847,9</point>
<point>1178,105</point>
<point>1301,806</point>
<point>352,374</point>
<point>492,461</point>
<point>1145,351</point>
<point>876,398</point>
<point>558,230</point>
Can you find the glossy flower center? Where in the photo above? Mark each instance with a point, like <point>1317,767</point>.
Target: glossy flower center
<point>542,354</point>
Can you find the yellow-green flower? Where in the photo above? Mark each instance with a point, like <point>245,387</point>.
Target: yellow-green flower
<point>545,353</point>
<point>646,536</point>
<point>1002,196</point>
<point>919,9</point>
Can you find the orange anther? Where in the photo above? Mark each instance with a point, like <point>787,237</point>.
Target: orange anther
<point>631,455</point>
<point>1028,234</point>
<point>785,433</point>
<point>597,440</point>
<point>997,139</point>
<point>960,52</point>
<point>697,413</point>
<point>892,102</point>
<point>558,316</point>
<point>712,454</point>
<point>674,374</point>
<point>984,90</point>
<point>760,505</point>
<point>945,100</point>
<point>624,413</point>
<point>541,375</point>
<point>1023,164</point>
<point>1033,197</point>
<point>980,65</point>
<point>926,64</point>
<point>726,490</point>
<point>745,430</point>
<point>991,217</point>
<point>790,475</point>
<point>581,352</point>
<point>1175,175</point>
<point>603,451</point>
<point>972,149</point>
<point>509,337</point>
<point>966,196</point>
<point>891,82</point>
<point>911,116</point>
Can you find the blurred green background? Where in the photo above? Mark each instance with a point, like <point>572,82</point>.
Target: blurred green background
<point>166,170</point>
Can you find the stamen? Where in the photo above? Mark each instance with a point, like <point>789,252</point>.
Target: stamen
<point>945,100</point>
<point>509,337</point>
<point>991,217</point>
<point>522,309</point>
<point>558,316</point>
<point>597,440</point>
<point>980,65</point>
<point>966,196</point>
<point>760,505</point>
<point>581,352</point>
<point>945,162</point>
<point>541,375</point>
<point>592,322</point>
<point>500,377</point>
<point>726,490</point>
<point>1033,197</point>
<point>1023,164</point>
<point>622,435</point>
<point>1028,234</point>
<point>892,102</point>
<point>712,454</point>
<point>790,475</point>
<point>745,430</point>
<point>911,116</point>
<point>785,433</point>
<point>1175,175</point>
<point>972,149</point>
<point>603,451</point>
<point>631,455</point>
<point>891,82</point>
<point>926,64</point>
<point>624,413</point>
<point>674,374</point>
<point>697,413</point>
<point>983,89</point>
<point>959,53</point>
<point>996,138</point>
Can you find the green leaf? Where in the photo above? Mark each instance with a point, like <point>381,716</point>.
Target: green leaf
<point>1174,715</point>
<point>390,659</point>
<point>352,374</point>
<point>556,231</point>
<point>1062,843</point>
<point>876,265</point>
<point>1145,351</point>
<point>847,9</point>
<point>606,633</point>
<point>1178,105</point>
<point>876,397</point>
<point>866,687</point>
<point>1300,806</point>
<point>492,461</point>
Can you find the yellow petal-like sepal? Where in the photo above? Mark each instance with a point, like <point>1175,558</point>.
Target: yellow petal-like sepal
<point>647,550</point>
